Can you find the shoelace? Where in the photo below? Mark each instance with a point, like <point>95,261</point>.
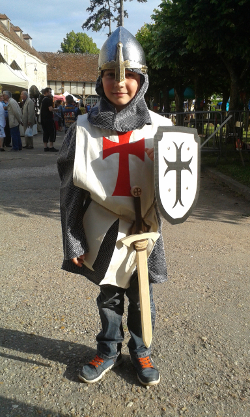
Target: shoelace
<point>145,362</point>
<point>96,361</point>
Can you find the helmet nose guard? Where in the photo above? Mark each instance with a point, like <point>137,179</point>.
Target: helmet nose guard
<point>121,51</point>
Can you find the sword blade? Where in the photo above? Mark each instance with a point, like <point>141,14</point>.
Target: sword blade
<point>142,268</point>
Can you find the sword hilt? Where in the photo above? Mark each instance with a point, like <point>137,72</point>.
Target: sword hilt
<point>136,193</point>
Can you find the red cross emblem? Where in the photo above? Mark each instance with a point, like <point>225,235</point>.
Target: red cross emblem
<point>124,148</point>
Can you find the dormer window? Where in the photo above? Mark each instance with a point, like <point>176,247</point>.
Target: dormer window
<point>18,31</point>
<point>27,39</point>
<point>5,20</point>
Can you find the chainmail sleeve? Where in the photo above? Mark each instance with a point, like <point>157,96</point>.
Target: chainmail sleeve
<point>74,201</point>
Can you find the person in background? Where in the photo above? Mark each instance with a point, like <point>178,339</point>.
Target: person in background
<point>15,119</point>
<point>58,115</point>
<point>1,100</point>
<point>7,139</point>
<point>69,112</point>
<point>2,124</point>
<point>77,106</point>
<point>61,119</point>
<point>28,110</point>
<point>48,125</point>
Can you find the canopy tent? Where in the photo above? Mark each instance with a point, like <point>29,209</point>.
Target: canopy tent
<point>67,94</point>
<point>18,71</point>
<point>59,97</point>
<point>9,77</point>
<point>188,93</point>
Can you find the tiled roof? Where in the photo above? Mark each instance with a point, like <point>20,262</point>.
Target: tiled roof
<point>71,67</point>
<point>16,39</point>
<point>16,29</point>
<point>3,16</point>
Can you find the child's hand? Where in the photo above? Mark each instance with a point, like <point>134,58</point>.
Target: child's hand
<point>78,261</point>
<point>150,153</point>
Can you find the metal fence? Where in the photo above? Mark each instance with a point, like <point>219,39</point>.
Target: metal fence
<point>217,129</point>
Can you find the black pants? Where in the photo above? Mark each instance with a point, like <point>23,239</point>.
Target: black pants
<point>7,139</point>
<point>49,131</point>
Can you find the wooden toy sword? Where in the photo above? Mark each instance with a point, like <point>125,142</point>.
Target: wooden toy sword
<point>140,241</point>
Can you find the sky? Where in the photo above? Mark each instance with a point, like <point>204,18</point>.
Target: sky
<point>48,22</point>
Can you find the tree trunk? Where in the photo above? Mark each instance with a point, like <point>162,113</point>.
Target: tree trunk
<point>179,100</point>
<point>166,101</point>
<point>198,90</point>
<point>110,28</point>
<point>234,93</point>
<point>121,13</point>
<point>199,101</point>
<point>225,95</point>
<point>235,83</point>
<point>156,100</point>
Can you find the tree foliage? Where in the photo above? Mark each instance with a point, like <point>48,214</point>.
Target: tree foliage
<point>79,43</point>
<point>209,38</point>
<point>104,12</point>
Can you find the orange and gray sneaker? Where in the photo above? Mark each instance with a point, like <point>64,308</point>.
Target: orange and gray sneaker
<point>94,370</point>
<point>147,372</point>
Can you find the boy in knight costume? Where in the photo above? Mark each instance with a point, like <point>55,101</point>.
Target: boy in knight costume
<point>106,153</point>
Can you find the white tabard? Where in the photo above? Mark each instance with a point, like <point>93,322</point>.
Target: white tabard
<point>108,164</point>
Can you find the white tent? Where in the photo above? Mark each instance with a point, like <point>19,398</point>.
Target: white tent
<point>21,75</point>
<point>18,71</point>
<point>11,77</point>
<point>67,94</point>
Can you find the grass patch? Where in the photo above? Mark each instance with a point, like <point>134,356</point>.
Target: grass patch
<point>230,166</point>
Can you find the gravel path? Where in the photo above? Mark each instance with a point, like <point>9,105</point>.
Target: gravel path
<point>49,317</point>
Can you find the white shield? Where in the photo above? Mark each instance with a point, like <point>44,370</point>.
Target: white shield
<point>177,171</point>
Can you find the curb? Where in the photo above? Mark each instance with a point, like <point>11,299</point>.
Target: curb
<point>232,184</point>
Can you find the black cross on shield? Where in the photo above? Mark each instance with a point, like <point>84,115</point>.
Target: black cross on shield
<point>177,171</point>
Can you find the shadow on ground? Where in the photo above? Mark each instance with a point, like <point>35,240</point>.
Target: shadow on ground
<point>13,408</point>
<point>73,355</point>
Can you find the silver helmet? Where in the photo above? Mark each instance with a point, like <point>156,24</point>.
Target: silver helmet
<point>120,51</point>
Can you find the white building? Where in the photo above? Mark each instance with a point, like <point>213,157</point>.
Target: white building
<point>19,60</point>
<point>73,73</point>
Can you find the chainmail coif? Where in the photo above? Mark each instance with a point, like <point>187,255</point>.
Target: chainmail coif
<point>134,116</point>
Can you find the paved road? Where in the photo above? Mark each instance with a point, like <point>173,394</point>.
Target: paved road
<point>49,317</point>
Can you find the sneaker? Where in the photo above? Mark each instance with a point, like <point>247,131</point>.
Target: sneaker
<point>46,149</point>
<point>2,149</point>
<point>147,372</point>
<point>53,149</point>
<point>94,370</point>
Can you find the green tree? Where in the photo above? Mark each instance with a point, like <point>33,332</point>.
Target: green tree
<point>160,81</point>
<point>168,61</point>
<point>216,28</point>
<point>79,43</point>
<point>104,12</point>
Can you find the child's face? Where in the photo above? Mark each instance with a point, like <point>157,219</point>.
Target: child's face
<point>120,93</point>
